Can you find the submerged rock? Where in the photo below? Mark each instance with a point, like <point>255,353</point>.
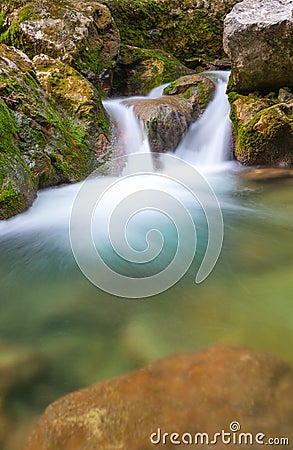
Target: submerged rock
<point>189,393</point>
<point>138,70</point>
<point>19,367</point>
<point>263,130</point>
<point>81,34</point>
<point>267,174</point>
<point>167,118</point>
<point>258,36</point>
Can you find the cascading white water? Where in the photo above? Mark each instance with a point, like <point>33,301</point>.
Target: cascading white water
<point>130,132</point>
<point>207,144</point>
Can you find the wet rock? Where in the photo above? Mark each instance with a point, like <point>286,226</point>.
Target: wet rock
<point>189,393</point>
<point>139,70</point>
<point>18,366</point>
<point>258,36</point>
<point>44,140</point>
<point>267,174</point>
<point>81,34</point>
<point>79,101</point>
<point>185,29</point>
<point>263,130</point>
<point>197,89</point>
<point>167,118</point>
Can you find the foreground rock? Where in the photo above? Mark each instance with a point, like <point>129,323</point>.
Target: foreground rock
<point>263,129</point>
<point>258,36</point>
<point>81,34</point>
<point>188,393</point>
<point>44,140</point>
<point>167,118</point>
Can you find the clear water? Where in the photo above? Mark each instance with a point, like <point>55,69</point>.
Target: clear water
<point>86,335</point>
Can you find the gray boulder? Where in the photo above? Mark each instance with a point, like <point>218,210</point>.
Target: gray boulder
<point>258,38</point>
<point>167,118</point>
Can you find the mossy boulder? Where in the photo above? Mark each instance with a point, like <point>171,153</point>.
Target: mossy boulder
<point>78,100</point>
<point>167,118</point>
<point>184,28</point>
<point>42,142</point>
<point>82,34</point>
<point>17,190</point>
<point>197,89</point>
<point>263,130</point>
<point>138,70</point>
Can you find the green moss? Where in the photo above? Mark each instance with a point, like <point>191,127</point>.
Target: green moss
<point>12,35</point>
<point>180,28</point>
<point>10,199</point>
<point>7,129</point>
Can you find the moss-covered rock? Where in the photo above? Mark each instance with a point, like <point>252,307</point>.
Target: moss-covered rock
<point>263,130</point>
<point>17,189</point>
<point>82,34</point>
<point>197,89</point>
<point>44,140</point>
<point>138,70</point>
<point>183,28</point>
<point>165,120</point>
<point>79,101</point>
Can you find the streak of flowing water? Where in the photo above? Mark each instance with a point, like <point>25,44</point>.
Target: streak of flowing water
<point>207,144</point>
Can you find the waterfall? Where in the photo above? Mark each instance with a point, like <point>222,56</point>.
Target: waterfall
<point>206,144</point>
<point>129,129</point>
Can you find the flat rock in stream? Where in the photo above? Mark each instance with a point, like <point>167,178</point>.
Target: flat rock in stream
<point>203,392</point>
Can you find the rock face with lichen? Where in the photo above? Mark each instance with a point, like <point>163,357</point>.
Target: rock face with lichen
<point>167,118</point>
<point>263,130</point>
<point>44,139</point>
<point>258,37</point>
<point>194,393</point>
<point>81,34</point>
<point>19,368</point>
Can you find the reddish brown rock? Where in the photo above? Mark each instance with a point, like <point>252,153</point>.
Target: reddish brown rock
<point>189,393</point>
